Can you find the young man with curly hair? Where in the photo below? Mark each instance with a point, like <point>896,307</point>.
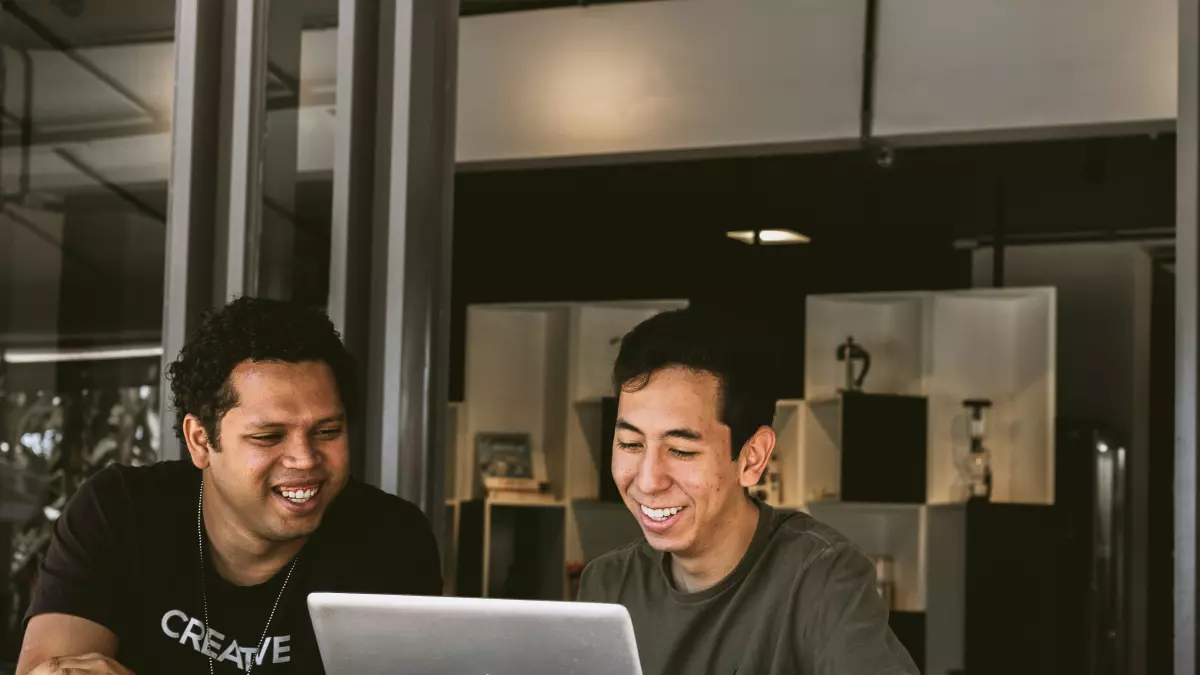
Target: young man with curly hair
<point>722,583</point>
<point>205,565</point>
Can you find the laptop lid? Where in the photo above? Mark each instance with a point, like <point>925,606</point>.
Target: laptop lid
<point>418,635</point>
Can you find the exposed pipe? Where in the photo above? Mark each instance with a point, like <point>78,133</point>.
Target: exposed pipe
<point>1148,236</point>
<point>3,112</point>
<point>1001,236</point>
<point>26,126</point>
<point>24,121</point>
<point>867,99</point>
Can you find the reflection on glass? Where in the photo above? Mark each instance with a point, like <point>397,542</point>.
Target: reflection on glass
<point>293,252</point>
<point>85,107</point>
<point>52,444</point>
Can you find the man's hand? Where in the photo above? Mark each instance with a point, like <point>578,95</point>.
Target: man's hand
<point>91,664</point>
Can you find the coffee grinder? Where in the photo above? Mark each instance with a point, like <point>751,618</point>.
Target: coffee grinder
<point>978,467</point>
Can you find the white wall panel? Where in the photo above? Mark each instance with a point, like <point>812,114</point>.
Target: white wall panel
<point>696,75</point>
<point>986,66</point>
<point>646,77</point>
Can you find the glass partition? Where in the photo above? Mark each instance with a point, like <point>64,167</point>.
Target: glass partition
<point>85,132</point>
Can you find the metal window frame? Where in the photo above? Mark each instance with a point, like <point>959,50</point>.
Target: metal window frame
<point>1187,327</point>
<point>192,205</point>
<point>249,88</point>
<point>392,232</point>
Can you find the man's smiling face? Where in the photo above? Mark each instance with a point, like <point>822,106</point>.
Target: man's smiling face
<point>672,460</point>
<point>283,454</point>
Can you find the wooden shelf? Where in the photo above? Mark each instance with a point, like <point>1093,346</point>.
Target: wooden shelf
<point>557,504</point>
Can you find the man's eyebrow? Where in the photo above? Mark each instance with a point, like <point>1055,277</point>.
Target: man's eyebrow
<point>622,424</point>
<point>684,434</point>
<point>263,423</point>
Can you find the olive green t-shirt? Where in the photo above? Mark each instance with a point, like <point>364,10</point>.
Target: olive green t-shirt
<point>801,602</point>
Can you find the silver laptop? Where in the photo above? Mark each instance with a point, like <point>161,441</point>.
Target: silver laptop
<point>403,635</point>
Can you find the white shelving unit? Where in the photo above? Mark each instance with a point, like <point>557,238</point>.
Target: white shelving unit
<point>996,344</point>
<point>946,346</point>
<point>544,369</point>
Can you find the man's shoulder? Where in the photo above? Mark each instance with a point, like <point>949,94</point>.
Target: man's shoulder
<point>367,504</point>
<point>802,534</point>
<point>363,512</point>
<point>814,544</point>
<point>139,483</point>
<point>608,571</point>
<point>635,552</point>
<point>374,542</point>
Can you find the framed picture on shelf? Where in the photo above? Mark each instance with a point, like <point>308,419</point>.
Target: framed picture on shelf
<point>507,462</point>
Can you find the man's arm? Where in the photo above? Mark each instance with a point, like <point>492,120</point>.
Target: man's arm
<point>72,619</point>
<point>843,622</point>
<point>61,635</point>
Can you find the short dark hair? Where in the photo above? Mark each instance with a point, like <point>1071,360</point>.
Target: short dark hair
<point>252,329</point>
<point>733,351</point>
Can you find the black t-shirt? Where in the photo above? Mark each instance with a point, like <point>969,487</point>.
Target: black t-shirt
<point>125,555</point>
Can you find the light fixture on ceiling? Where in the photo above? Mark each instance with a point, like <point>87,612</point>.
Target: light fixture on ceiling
<point>768,237</point>
<point>97,354</point>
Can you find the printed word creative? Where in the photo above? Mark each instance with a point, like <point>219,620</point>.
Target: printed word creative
<point>211,643</point>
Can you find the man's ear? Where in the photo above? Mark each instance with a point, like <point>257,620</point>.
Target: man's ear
<point>197,441</point>
<point>756,453</point>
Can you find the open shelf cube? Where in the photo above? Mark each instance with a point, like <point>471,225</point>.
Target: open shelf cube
<point>807,454</point>
<point>895,531</point>
<point>994,344</point>
<point>890,326</point>
<point>512,551</point>
<point>516,382</point>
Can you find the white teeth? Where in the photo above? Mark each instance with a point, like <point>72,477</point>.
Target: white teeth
<point>299,496</point>
<point>661,514</point>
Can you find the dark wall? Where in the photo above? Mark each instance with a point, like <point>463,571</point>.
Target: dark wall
<point>657,230</point>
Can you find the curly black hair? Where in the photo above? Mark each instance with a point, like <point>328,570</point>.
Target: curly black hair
<point>737,352</point>
<point>252,329</point>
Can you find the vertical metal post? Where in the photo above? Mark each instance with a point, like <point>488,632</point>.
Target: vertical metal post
<point>276,246</point>
<point>246,139</point>
<point>192,208</point>
<point>425,363</point>
<point>397,132</point>
<point>353,191</point>
<point>1187,321</point>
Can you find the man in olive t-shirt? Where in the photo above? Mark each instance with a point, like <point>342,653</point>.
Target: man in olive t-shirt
<point>723,584</point>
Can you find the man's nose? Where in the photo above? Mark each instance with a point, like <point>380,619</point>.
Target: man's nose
<point>301,453</point>
<point>652,475</point>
